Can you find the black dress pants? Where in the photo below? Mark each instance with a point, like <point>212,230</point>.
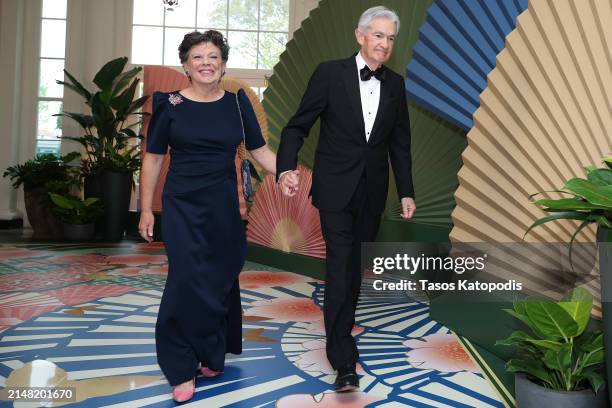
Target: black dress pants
<point>344,231</point>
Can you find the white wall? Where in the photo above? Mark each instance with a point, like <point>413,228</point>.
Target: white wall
<point>16,43</point>
<point>10,55</point>
<point>97,32</point>
<point>298,11</point>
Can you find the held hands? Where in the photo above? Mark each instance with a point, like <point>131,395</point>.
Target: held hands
<point>145,226</point>
<point>289,183</point>
<point>408,208</point>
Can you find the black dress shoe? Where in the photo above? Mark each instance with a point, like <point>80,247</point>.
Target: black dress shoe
<point>347,379</point>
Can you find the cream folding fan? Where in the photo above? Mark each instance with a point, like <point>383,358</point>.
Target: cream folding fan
<point>545,114</point>
<point>287,224</point>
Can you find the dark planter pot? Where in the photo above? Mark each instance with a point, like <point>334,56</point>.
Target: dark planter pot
<point>78,232</point>
<point>531,395</point>
<point>92,188</point>
<point>44,223</point>
<point>116,189</point>
<point>604,238</point>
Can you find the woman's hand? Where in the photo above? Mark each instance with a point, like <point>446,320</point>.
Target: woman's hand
<point>151,167</point>
<point>145,226</point>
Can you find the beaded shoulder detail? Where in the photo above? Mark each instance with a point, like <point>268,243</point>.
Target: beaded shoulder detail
<point>175,99</point>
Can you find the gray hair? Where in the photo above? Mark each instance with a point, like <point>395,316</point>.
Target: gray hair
<point>377,12</point>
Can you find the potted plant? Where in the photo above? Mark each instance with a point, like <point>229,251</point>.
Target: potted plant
<point>559,363</point>
<point>39,176</point>
<point>590,202</point>
<point>109,139</point>
<point>78,216</point>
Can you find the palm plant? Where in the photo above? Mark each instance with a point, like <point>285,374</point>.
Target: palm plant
<point>108,128</point>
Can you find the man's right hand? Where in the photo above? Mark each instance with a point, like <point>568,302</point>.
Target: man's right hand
<point>289,183</point>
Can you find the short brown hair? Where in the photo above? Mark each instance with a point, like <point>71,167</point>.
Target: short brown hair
<point>195,37</point>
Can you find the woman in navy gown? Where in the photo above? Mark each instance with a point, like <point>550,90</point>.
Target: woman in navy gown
<point>199,317</point>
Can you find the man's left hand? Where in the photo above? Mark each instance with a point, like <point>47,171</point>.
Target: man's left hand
<point>408,208</point>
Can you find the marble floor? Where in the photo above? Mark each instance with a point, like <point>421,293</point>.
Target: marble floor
<point>81,318</point>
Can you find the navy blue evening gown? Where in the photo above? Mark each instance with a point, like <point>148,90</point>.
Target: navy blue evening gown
<point>199,318</point>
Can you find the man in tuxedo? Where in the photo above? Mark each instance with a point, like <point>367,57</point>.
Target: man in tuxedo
<point>364,122</point>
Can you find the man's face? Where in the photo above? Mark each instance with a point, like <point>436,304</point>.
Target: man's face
<point>377,41</point>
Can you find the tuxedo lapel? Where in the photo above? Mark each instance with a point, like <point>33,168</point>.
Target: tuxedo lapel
<point>385,95</point>
<point>351,83</point>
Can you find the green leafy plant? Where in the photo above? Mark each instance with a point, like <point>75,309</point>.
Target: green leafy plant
<point>73,210</point>
<point>560,354</point>
<point>46,171</point>
<point>590,201</point>
<point>114,114</point>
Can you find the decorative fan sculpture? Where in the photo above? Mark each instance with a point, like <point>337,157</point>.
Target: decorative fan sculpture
<point>287,224</point>
<point>329,34</point>
<point>545,114</point>
<point>456,51</point>
<point>164,79</point>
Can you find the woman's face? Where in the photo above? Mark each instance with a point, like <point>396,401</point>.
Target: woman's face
<point>204,63</point>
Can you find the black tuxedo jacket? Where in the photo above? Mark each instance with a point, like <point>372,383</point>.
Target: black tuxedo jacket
<point>343,155</point>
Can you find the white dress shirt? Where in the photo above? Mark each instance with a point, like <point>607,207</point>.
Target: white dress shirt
<point>370,97</point>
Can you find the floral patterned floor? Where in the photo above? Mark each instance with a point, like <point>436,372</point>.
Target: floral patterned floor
<point>86,314</point>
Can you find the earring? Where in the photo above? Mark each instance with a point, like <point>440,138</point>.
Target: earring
<point>187,73</point>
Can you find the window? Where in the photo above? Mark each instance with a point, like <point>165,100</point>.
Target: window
<point>259,90</point>
<point>52,59</point>
<point>257,32</point>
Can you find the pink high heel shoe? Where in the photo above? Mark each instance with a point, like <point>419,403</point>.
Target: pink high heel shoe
<point>209,373</point>
<point>183,394</point>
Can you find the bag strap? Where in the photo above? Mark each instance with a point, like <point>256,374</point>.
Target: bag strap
<point>242,126</point>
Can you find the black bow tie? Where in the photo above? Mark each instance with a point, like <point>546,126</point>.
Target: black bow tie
<point>366,73</point>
